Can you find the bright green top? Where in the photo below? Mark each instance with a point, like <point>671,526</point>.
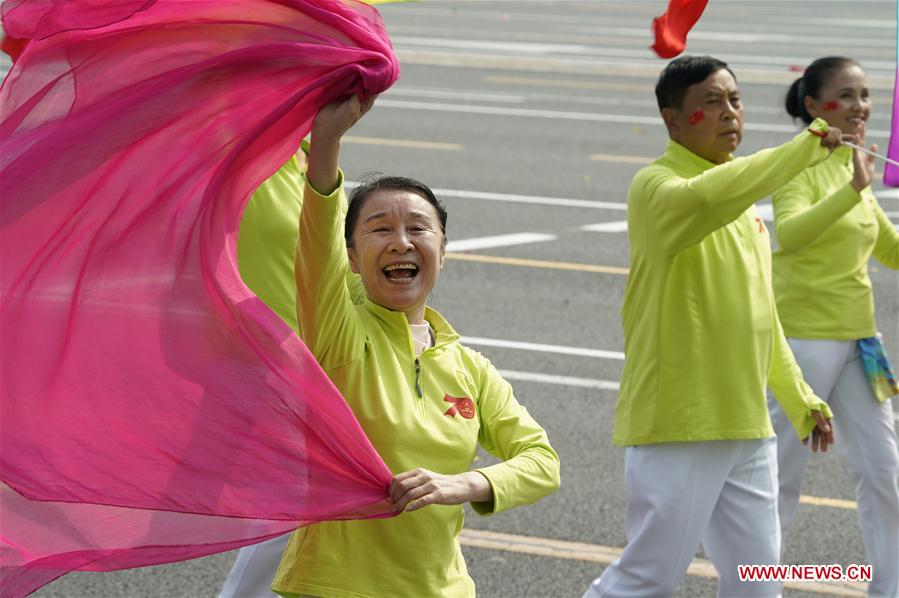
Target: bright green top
<point>702,337</point>
<point>367,351</point>
<point>826,233</point>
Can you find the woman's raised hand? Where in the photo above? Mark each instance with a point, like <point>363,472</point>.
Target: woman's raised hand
<point>421,487</point>
<point>863,166</point>
<point>335,119</point>
<point>329,126</point>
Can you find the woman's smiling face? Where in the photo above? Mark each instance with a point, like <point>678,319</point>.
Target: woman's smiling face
<point>398,248</point>
<point>843,100</point>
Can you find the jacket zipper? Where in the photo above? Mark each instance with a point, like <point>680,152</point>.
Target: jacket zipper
<point>418,378</point>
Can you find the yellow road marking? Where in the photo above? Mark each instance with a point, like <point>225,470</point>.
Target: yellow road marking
<point>624,159</point>
<point>433,145</point>
<point>595,553</point>
<point>569,83</point>
<point>836,503</point>
<point>514,261</point>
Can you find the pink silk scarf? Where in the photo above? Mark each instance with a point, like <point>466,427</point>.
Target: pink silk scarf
<point>153,409</point>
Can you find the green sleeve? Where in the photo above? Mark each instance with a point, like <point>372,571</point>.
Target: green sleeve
<point>530,467</point>
<point>686,210</point>
<point>795,396</point>
<point>267,240</point>
<point>799,220</point>
<point>328,321</point>
<point>886,248</point>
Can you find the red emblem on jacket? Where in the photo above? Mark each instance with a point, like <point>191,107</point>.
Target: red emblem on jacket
<point>463,406</point>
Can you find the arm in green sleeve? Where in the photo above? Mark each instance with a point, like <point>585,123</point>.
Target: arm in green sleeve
<point>886,248</point>
<point>799,220</point>
<point>795,396</point>
<point>686,210</point>
<point>530,467</point>
<point>327,318</point>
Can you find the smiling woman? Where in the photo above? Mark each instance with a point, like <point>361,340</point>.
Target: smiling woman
<point>398,249</point>
<point>425,401</point>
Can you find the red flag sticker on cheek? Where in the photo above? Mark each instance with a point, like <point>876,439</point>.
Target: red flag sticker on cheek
<point>830,106</point>
<point>696,117</point>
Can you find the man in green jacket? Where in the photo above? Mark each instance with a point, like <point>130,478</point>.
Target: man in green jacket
<point>702,341</point>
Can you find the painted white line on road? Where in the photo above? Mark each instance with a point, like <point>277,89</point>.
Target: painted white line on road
<point>579,116</point>
<point>542,49</point>
<point>559,349</point>
<point>515,198</point>
<point>448,94</point>
<point>643,33</point>
<point>559,380</point>
<point>621,158</point>
<point>498,241</point>
<point>618,226</point>
<point>532,199</point>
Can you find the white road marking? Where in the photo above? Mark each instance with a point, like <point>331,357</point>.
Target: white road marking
<point>606,31</point>
<point>498,241</point>
<point>524,346</point>
<point>543,49</point>
<point>447,94</point>
<point>618,226</point>
<point>532,199</point>
<point>887,194</point>
<point>579,116</point>
<point>515,198</point>
<point>559,380</point>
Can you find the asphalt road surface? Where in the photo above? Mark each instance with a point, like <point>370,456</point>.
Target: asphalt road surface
<point>530,119</point>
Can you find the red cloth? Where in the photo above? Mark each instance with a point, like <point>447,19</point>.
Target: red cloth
<point>154,409</point>
<point>671,29</point>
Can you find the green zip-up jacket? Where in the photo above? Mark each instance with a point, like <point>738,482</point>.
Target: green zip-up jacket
<point>702,336</point>
<point>367,351</point>
<point>826,233</point>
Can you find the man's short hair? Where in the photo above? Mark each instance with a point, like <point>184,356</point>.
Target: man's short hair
<point>680,74</point>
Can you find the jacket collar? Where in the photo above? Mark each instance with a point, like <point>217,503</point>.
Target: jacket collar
<point>398,324</point>
<point>684,160</point>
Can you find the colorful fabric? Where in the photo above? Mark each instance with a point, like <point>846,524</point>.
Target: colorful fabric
<point>826,233</point>
<point>702,336</point>
<point>671,29</point>
<point>877,368</point>
<point>153,408</point>
<point>890,172</point>
<point>367,350</point>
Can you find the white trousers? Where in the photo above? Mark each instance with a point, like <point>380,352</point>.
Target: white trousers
<point>254,569</point>
<point>865,436</point>
<point>721,493</point>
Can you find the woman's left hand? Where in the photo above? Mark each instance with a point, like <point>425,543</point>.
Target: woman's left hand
<point>420,487</point>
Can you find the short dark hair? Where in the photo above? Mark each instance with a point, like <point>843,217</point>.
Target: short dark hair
<point>367,187</point>
<point>810,83</point>
<point>680,74</point>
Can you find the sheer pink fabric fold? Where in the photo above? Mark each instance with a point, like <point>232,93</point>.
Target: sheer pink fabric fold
<point>153,409</point>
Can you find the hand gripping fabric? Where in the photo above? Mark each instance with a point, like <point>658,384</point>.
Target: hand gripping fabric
<point>153,409</point>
